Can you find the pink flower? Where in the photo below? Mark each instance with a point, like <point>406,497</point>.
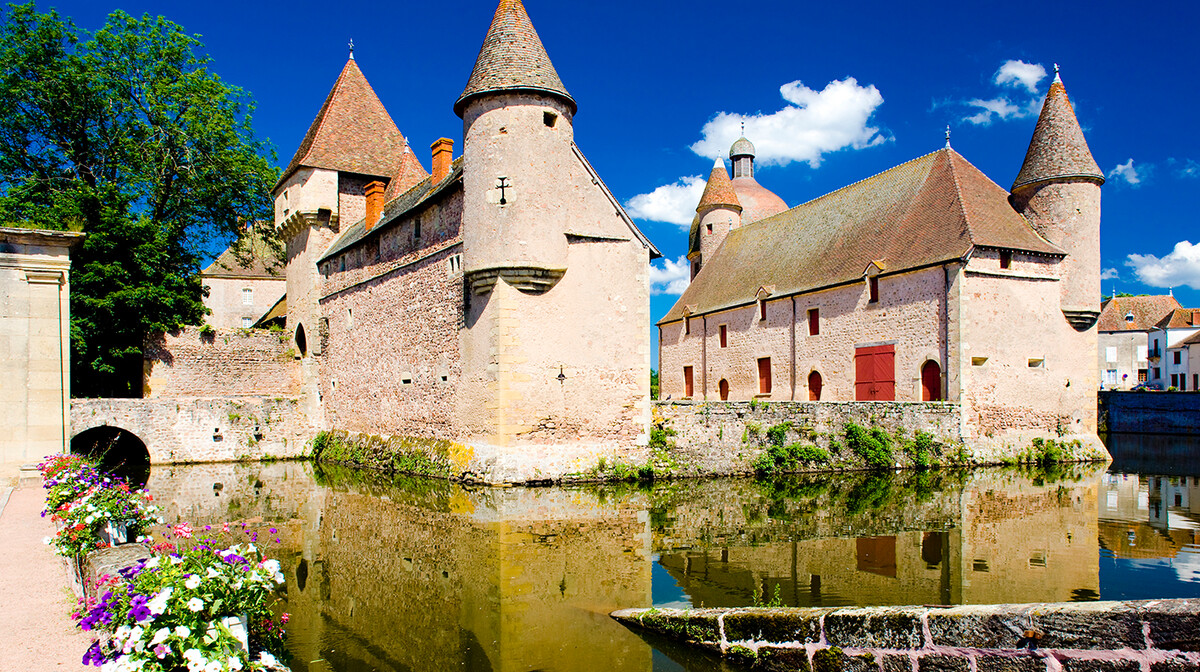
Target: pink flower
<point>161,651</point>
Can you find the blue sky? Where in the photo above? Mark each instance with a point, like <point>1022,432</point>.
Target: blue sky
<point>831,92</point>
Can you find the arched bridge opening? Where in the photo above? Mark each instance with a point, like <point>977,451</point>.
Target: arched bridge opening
<point>119,451</point>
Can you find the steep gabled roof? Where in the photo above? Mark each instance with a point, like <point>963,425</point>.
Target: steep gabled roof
<point>933,209</point>
<point>1180,318</point>
<point>1147,311</point>
<point>1058,148</point>
<point>512,58</point>
<point>410,173</point>
<point>718,191</point>
<point>352,133</point>
<point>260,260</point>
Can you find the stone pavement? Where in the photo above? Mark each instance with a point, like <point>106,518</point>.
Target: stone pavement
<point>36,632</point>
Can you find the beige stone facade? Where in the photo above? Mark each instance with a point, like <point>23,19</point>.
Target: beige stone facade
<point>35,363</point>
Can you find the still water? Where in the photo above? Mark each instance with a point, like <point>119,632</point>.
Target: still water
<point>396,573</point>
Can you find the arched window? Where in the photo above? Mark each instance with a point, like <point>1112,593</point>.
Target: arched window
<point>723,387</point>
<point>814,386</point>
<point>301,342</point>
<point>931,381</point>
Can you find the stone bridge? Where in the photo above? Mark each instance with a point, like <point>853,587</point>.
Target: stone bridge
<point>204,429</point>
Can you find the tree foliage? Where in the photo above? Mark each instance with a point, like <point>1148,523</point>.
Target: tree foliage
<point>125,134</point>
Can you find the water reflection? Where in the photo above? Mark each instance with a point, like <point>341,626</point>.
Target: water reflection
<point>409,574</point>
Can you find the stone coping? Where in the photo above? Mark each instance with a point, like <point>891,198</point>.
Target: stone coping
<point>1149,635</point>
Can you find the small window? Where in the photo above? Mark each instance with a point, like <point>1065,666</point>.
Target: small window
<point>687,381</point>
<point>416,229</point>
<point>873,288</point>
<point>708,227</point>
<point>978,361</point>
<point>1129,316</point>
<point>724,342</point>
<point>814,321</point>
<point>1005,258</point>
<point>762,309</point>
<point>1037,362</point>
<point>349,318</point>
<point>695,269</point>
<point>301,341</point>
<point>1157,373</point>
<point>1110,353</point>
<point>1177,354</point>
<point>764,375</point>
<point>979,566</point>
<point>549,119</point>
<point>687,326</point>
<point>247,322</point>
<point>248,296</point>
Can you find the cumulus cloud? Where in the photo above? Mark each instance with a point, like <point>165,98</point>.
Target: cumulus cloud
<point>1185,168</point>
<point>1020,74</point>
<point>1180,267</point>
<point>1024,102</point>
<point>672,203</point>
<point>1110,274</point>
<point>671,278</point>
<point>813,124</point>
<point>1128,173</point>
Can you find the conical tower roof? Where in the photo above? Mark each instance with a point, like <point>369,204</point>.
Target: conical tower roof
<point>719,190</point>
<point>512,58</point>
<point>1058,149</point>
<point>352,133</point>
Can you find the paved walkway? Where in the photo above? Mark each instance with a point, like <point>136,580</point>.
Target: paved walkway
<point>36,631</point>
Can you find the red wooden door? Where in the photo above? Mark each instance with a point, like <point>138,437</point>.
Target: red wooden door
<point>875,373</point>
<point>931,381</point>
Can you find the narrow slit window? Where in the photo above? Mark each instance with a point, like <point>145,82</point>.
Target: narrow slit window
<point>687,326</point>
<point>762,309</point>
<point>764,375</point>
<point>814,321</point>
<point>1005,258</point>
<point>687,381</point>
<point>873,289</point>
<point>724,341</point>
<point>417,229</point>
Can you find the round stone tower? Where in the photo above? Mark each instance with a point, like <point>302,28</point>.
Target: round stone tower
<point>517,136</point>
<point>719,210</point>
<point>1058,191</point>
<point>757,201</point>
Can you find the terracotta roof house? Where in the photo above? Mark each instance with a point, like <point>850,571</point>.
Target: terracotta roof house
<point>1123,339</point>
<point>243,284</point>
<point>457,307</point>
<point>927,282</point>
<point>1170,365</point>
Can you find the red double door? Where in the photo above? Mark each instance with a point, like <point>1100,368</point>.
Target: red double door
<point>875,373</point>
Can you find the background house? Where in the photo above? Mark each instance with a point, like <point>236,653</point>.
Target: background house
<point>1124,327</point>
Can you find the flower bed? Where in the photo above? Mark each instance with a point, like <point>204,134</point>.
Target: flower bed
<point>198,603</point>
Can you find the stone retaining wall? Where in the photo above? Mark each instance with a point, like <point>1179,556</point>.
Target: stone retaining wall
<point>1149,412</point>
<point>222,363</point>
<point>1146,636</point>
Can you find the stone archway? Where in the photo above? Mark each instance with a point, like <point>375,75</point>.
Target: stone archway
<point>119,452</point>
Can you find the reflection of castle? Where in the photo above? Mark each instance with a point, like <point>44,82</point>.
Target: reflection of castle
<point>1149,516</point>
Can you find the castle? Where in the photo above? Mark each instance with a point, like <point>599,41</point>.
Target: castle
<point>464,304</point>
<point>927,282</point>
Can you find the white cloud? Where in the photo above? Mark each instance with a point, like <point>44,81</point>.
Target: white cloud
<point>671,278</point>
<point>1126,172</point>
<point>1180,267</point>
<point>815,123</point>
<point>1190,168</point>
<point>1110,274</point>
<point>672,203</point>
<point>1000,108</point>
<point>1019,74</point>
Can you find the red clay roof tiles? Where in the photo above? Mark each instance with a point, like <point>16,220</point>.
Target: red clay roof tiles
<point>1058,148</point>
<point>1146,311</point>
<point>718,192</point>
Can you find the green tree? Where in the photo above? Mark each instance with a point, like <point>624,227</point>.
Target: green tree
<point>653,384</point>
<point>125,134</point>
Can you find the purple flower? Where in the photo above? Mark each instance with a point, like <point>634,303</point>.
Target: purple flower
<point>94,656</point>
<point>138,611</point>
<point>272,530</point>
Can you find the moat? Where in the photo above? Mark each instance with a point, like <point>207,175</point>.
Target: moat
<point>398,573</point>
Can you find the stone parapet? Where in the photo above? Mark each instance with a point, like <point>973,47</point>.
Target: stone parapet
<point>1146,635</point>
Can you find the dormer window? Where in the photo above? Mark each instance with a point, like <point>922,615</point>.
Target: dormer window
<point>1129,317</point>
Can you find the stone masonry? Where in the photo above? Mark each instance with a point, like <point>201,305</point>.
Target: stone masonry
<point>224,363</point>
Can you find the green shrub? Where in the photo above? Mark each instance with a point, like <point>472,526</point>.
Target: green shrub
<point>777,459</point>
<point>778,434</point>
<point>874,446</point>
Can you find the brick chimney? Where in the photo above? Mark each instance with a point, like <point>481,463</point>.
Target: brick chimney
<point>443,153</point>
<point>375,191</point>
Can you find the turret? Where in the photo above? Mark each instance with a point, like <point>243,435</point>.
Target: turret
<point>757,201</point>
<point>719,211</point>
<point>517,136</point>
<point>1058,191</point>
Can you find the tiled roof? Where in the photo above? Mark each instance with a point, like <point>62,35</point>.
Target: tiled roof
<point>261,262</point>
<point>1147,311</point>
<point>694,237</point>
<point>410,173</point>
<point>394,210</point>
<point>719,191</point>
<point>512,58</point>
<point>1058,148</point>
<point>277,311</point>
<point>352,133</point>
<point>1180,318</point>
<point>1194,339</point>
<point>932,209</point>
<point>757,201</point>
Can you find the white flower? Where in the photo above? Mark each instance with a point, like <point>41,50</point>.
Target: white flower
<point>160,636</point>
<point>152,563</point>
<point>214,666</point>
<point>195,604</point>
<point>192,583</point>
<point>267,659</point>
<point>47,540</point>
<point>212,573</point>
<point>234,663</point>
<point>158,604</point>
<point>182,632</point>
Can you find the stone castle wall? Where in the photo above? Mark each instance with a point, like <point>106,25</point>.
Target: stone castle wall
<point>225,363</point>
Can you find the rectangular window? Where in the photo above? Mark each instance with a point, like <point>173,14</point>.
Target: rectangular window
<point>687,381</point>
<point>1110,377</point>
<point>1142,353</point>
<point>248,297</point>
<point>1196,381</point>
<point>873,286</point>
<point>764,375</point>
<point>762,309</point>
<point>1110,354</point>
<point>1178,357</point>
<point>1174,380</point>
<point>724,342</point>
<point>687,326</point>
<point>247,322</point>
<point>1005,258</point>
<point>417,230</point>
<point>1143,374</point>
<point>1157,373</point>
<point>814,321</point>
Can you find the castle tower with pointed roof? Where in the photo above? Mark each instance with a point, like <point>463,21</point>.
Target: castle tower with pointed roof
<point>1058,190</point>
<point>718,213</point>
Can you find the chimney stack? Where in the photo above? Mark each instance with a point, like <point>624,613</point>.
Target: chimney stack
<point>374,191</point>
<point>443,153</point>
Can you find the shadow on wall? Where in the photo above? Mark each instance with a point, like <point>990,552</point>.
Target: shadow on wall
<point>119,451</point>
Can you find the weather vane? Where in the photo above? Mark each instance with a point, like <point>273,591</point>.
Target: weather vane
<point>743,128</point>
<point>352,48</point>
<point>947,135</point>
